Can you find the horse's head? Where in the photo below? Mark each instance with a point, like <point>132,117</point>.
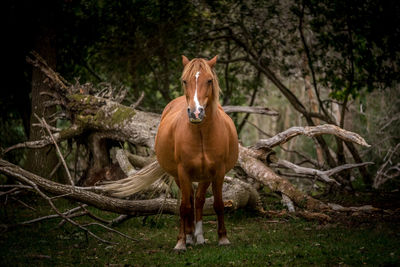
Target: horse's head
<point>200,85</point>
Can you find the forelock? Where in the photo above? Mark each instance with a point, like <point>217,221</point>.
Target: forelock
<point>199,64</point>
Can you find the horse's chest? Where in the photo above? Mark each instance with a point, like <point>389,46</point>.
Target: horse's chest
<point>202,161</point>
<point>201,168</point>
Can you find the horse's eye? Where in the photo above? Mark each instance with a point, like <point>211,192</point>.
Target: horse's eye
<point>209,81</point>
<point>184,82</point>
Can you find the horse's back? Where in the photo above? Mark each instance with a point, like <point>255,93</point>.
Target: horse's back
<point>174,107</point>
<point>165,138</point>
<point>233,148</point>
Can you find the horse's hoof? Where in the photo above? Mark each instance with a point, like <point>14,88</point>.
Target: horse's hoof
<point>200,240</point>
<point>180,246</point>
<point>223,241</point>
<point>189,240</point>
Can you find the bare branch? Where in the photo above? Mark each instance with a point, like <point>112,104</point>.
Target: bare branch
<point>121,218</point>
<point>382,175</point>
<point>16,186</point>
<point>59,164</point>
<point>30,144</point>
<point>54,129</point>
<point>138,101</point>
<point>52,216</point>
<point>322,175</point>
<point>91,215</point>
<point>305,157</point>
<point>37,61</point>
<point>303,170</point>
<point>23,203</point>
<point>311,131</point>
<point>337,207</point>
<point>255,110</point>
<point>258,129</point>
<point>43,121</point>
<point>294,175</point>
<point>346,167</point>
<point>72,131</point>
<point>36,188</point>
<point>310,62</point>
<point>9,191</point>
<point>111,230</point>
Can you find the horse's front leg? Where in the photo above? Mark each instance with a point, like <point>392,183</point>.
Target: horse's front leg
<point>186,211</point>
<point>189,223</point>
<point>199,203</point>
<point>219,210</point>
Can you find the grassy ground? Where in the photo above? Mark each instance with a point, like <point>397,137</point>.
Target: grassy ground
<point>255,241</point>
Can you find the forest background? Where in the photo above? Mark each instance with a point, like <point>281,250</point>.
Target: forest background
<point>305,59</point>
<point>313,62</point>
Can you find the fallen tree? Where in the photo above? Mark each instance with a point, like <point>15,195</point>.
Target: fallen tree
<point>235,196</point>
<point>96,120</point>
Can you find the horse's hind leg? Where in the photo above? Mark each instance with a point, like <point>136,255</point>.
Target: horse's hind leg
<point>199,203</point>
<point>219,210</point>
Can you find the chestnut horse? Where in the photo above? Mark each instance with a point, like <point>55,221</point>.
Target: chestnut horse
<point>197,142</point>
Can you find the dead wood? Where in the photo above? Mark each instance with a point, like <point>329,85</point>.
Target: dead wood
<point>140,127</point>
<point>288,203</point>
<point>132,207</point>
<point>138,161</point>
<point>389,169</point>
<point>322,217</point>
<point>118,122</point>
<point>250,109</point>
<point>122,123</point>
<point>310,131</point>
<point>66,218</point>
<point>236,195</point>
<point>259,171</point>
<point>72,131</point>
<point>44,123</point>
<point>365,208</point>
<point>124,163</point>
<point>321,175</point>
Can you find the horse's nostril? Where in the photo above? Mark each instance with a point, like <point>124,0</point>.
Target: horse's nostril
<point>201,110</point>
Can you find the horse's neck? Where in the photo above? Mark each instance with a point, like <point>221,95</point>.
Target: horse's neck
<point>212,109</point>
<point>212,113</point>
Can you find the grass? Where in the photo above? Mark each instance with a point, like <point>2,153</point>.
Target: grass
<point>256,241</point>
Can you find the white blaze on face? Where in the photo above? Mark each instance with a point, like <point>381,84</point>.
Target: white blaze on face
<point>196,100</point>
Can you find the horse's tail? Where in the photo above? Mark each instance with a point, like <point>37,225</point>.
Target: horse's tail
<point>136,182</point>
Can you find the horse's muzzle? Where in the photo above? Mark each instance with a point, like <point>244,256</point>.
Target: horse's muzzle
<point>196,115</point>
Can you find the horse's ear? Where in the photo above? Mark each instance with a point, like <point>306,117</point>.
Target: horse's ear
<point>185,60</point>
<point>212,61</point>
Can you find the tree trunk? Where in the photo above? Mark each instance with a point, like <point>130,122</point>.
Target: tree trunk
<point>236,195</point>
<point>42,161</point>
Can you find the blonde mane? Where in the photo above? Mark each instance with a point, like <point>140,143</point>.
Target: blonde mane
<point>199,64</point>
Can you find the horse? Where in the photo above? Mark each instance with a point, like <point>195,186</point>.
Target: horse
<point>197,142</point>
